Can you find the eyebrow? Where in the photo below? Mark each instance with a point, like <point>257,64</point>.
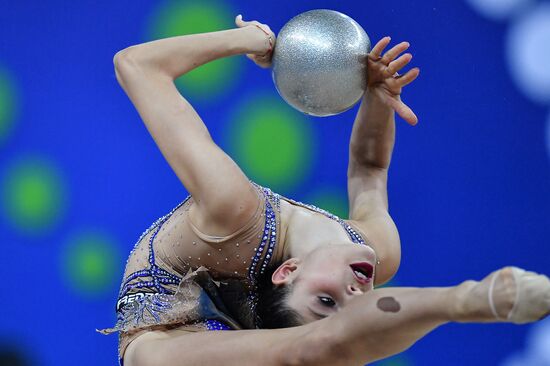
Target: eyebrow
<point>316,314</point>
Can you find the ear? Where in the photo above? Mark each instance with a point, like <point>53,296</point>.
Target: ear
<point>283,274</point>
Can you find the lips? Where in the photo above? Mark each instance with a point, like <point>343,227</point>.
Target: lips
<point>363,272</point>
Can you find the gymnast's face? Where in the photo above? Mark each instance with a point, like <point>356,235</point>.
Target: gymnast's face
<point>327,279</point>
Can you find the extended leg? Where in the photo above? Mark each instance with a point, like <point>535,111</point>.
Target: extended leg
<point>374,326</point>
<point>393,319</point>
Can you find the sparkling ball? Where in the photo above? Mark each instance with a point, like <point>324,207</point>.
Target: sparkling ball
<point>320,62</point>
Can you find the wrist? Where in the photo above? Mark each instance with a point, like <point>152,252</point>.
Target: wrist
<point>374,97</point>
<point>254,40</point>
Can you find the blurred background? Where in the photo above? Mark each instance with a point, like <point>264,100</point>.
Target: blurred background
<point>80,178</point>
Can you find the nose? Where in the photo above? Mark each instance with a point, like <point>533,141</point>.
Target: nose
<point>354,290</point>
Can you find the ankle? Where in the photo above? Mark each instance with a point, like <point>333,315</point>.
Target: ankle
<point>463,309</point>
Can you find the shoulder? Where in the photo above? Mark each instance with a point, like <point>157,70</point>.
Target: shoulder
<point>229,217</point>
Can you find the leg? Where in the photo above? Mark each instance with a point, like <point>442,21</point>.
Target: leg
<point>213,348</point>
<point>374,326</point>
<point>388,321</point>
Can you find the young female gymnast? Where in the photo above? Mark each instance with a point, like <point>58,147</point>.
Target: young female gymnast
<point>238,256</point>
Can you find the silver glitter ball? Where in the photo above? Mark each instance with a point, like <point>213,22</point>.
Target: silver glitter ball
<point>320,62</point>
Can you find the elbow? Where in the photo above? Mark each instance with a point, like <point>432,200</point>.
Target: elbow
<point>124,62</point>
<point>389,264</point>
<point>120,57</point>
<point>135,61</point>
<point>392,265</point>
<point>127,57</point>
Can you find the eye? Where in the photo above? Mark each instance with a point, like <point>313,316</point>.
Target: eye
<point>326,301</point>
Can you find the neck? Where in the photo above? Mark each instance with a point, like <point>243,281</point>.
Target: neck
<point>304,231</point>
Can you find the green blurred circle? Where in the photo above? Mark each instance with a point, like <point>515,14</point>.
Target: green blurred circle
<point>8,105</point>
<point>90,263</point>
<point>332,200</point>
<point>176,18</point>
<point>272,142</point>
<point>33,195</point>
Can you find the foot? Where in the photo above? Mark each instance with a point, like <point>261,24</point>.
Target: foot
<point>508,295</point>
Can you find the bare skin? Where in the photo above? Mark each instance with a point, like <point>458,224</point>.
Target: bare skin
<point>349,336</point>
<point>359,334</point>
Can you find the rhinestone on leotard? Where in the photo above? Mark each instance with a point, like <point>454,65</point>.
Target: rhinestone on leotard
<point>215,325</point>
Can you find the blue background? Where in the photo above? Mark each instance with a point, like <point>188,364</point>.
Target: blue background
<point>468,186</point>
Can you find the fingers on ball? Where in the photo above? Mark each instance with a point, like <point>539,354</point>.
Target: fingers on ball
<point>393,52</point>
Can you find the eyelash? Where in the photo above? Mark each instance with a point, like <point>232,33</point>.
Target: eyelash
<point>331,303</point>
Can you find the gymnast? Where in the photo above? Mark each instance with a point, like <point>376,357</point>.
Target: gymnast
<point>294,284</point>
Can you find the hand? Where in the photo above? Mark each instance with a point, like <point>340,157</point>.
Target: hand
<point>384,80</point>
<point>263,57</point>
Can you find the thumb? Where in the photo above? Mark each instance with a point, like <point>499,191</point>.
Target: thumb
<point>239,21</point>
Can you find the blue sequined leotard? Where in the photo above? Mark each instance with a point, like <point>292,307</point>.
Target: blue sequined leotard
<point>173,274</point>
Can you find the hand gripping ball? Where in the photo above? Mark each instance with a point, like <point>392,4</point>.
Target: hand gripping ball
<point>320,62</point>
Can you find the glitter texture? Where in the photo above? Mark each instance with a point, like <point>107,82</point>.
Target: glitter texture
<point>319,62</point>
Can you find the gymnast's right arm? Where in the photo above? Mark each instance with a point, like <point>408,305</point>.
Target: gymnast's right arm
<point>224,197</point>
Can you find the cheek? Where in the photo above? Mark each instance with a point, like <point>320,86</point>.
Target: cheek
<point>324,268</point>
<point>329,282</point>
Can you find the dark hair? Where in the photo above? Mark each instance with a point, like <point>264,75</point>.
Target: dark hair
<point>272,311</point>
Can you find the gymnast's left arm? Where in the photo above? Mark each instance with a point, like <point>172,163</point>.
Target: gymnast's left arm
<point>370,151</point>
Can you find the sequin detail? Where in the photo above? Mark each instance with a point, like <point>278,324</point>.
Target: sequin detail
<point>265,248</point>
<point>145,308</point>
<point>215,325</point>
<point>146,296</point>
<point>269,238</point>
<point>158,275</point>
<point>139,310</point>
<point>353,235</point>
<point>148,309</point>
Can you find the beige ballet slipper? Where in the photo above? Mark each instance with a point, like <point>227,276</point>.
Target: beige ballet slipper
<point>532,299</point>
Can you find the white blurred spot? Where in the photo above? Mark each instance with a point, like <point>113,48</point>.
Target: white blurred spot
<point>528,51</point>
<point>537,350</point>
<point>518,359</point>
<point>499,9</point>
<point>540,342</point>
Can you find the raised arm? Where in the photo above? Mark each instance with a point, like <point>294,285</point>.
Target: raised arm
<point>370,152</point>
<point>224,198</point>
